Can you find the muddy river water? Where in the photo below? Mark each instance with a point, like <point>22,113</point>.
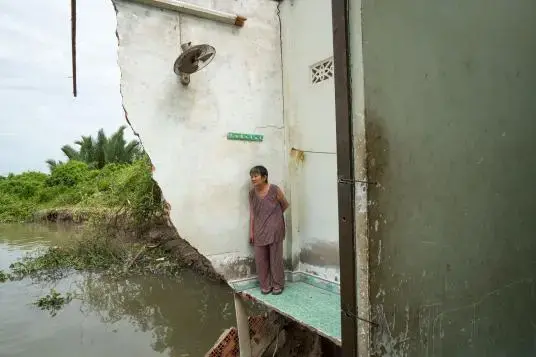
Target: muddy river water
<point>135,317</point>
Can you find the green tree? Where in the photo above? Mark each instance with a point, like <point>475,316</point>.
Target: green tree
<point>102,150</point>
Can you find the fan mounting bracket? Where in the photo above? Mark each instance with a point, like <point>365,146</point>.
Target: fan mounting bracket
<point>185,78</point>
<point>191,60</point>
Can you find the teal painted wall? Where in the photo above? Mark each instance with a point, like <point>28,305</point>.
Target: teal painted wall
<point>450,113</point>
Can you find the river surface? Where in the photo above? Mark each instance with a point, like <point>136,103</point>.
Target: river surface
<point>135,317</point>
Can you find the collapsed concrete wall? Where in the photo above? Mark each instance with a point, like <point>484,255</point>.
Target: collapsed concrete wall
<point>184,129</point>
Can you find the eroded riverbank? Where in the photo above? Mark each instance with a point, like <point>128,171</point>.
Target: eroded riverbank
<point>144,315</point>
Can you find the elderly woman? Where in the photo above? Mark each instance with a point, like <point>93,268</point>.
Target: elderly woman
<point>267,230</point>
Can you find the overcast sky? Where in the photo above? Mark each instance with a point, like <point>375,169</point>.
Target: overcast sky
<point>38,113</point>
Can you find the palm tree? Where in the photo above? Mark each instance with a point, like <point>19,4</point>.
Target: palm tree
<point>97,152</point>
<point>53,163</point>
<point>118,150</point>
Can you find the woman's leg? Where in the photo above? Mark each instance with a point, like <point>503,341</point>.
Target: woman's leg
<point>262,263</point>
<point>277,268</point>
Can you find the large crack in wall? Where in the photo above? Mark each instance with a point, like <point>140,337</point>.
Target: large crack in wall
<point>121,77</point>
<point>167,234</point>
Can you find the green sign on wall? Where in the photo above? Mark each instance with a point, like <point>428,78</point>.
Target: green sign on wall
<point>244,136</point>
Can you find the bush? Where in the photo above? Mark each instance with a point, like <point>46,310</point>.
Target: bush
<point>133,187</point>
<point>24,186</point>
<point>69,174</point>
<point>129,188</point>
<point>106,176</point>
<point>48,194</point>
<point>13,209</point>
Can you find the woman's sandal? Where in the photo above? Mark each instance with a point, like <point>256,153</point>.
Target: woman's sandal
<point>277,291</point>
<point>266,292</point>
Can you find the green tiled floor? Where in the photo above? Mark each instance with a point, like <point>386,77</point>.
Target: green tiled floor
<point>317,308</point>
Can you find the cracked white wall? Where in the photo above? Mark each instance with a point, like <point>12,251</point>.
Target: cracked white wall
<point>202,174</point>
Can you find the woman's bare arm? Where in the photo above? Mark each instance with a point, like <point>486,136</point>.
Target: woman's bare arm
<point>282,200</point>
<point>251,223</point>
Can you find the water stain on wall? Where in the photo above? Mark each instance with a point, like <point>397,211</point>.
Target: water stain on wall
<point>321,254</point>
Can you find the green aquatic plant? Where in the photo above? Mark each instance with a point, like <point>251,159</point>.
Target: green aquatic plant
<point>85,253</point>
<point>109,256</point>
<point>4,276</point>
<point>53,302</point>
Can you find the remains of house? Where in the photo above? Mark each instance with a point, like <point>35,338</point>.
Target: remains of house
<point>263,85</point>
<point>389,247</point>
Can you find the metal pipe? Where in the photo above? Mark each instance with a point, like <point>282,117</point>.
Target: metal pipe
<point>195,10</point>
<point>73,45</point>
<point>346,177</point>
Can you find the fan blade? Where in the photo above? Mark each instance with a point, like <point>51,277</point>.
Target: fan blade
<point>205,57</point>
